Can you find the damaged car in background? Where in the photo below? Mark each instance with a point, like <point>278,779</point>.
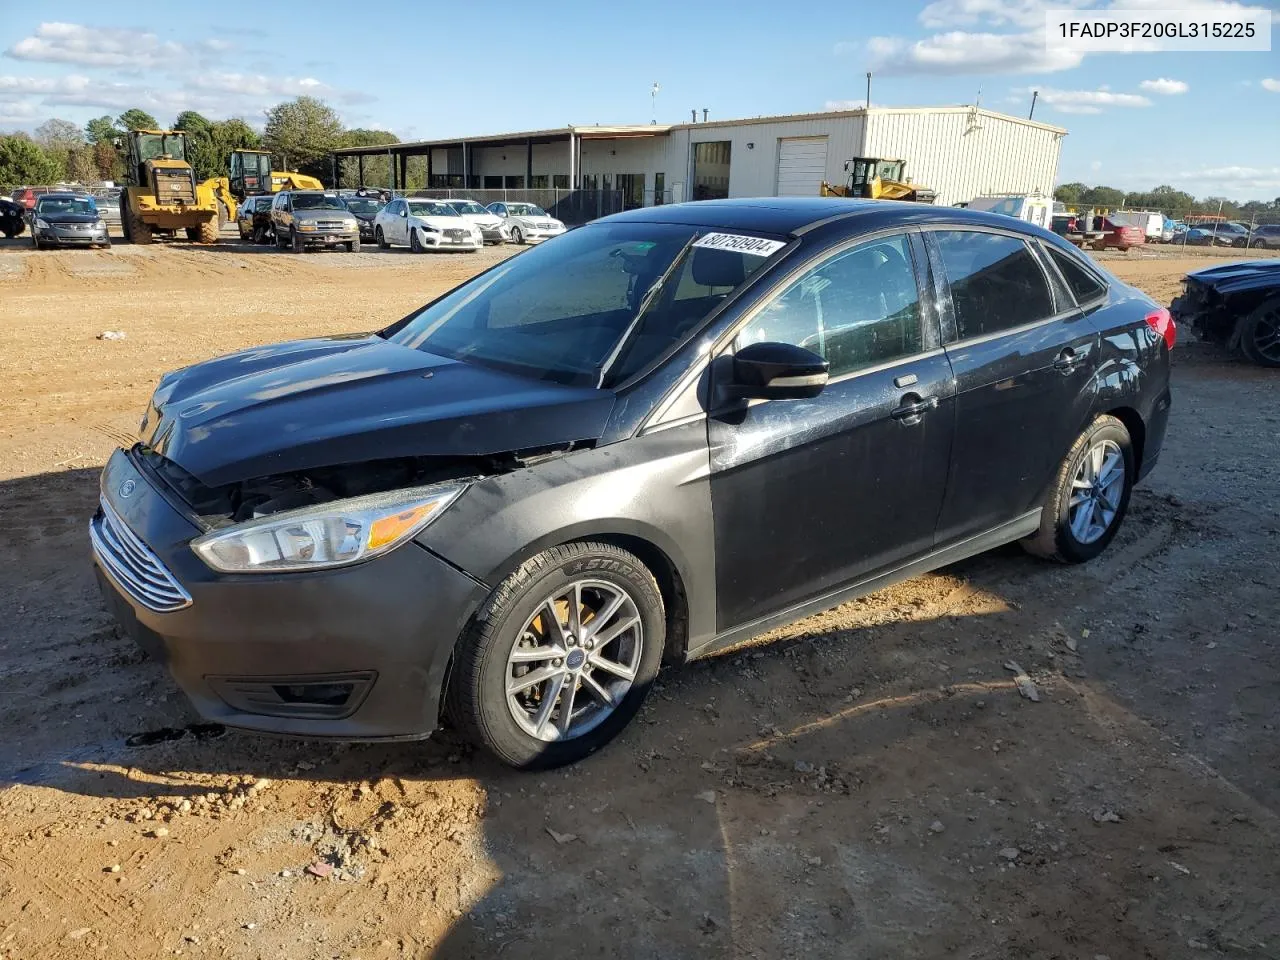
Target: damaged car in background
<point>1236,305</point>
<point>663,434</point>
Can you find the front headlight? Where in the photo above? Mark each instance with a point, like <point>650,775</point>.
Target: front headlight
<point>101,224</point>
<point>327,535</point>
<point>307,227</point>
<point>41,224</point>
<point>430,229</point>
<point>351,225</point>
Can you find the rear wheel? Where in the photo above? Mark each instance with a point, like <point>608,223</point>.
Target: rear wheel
<point>1260,334</point>
<point>1089,496</point>
<point>560,657</point>
<point>380,239</point>
<point>414,243</point>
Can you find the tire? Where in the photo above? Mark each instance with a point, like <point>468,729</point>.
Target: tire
<point>517,236</point>
<point>1058,539</point>
<point>1260,334</point>
<point>207,232</point>
<point>380,239</point>
<point>353,246</point>
<point>414,243</point>
<point>476,698</point>
<point>224,215</point>
<point>34,242</point>
<point>295,242</point>
<point>282,243</point>
<point>136,230</point>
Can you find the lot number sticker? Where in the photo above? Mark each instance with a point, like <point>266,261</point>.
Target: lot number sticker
<point>754,246</point>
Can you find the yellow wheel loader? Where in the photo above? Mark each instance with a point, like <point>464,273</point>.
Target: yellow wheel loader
<point>161,192</point>
<point>871,178</point>
<point>252,176</point>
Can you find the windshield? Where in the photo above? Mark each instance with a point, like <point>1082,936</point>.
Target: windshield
<point>467,206</point>
<point>364,207</point>
<point>525,210</point>
<point>594,306</point>
<point>317,201</point>
<point>61,206</point>
<point>152,146</point>
<point>431,208</point>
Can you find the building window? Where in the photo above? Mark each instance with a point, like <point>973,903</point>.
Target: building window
<point>515,181</point>
<point>492,182</point>
<point>540,181</point>
<point>632,187</point>
<point>711,170</point>
<point>560,181</point>
<point>659,189</point>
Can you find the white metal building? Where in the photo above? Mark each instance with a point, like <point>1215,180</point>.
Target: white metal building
<point>960,152</point>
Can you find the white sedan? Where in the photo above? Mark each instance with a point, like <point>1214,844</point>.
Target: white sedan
<point>423,225</point>
<point>527,222</point>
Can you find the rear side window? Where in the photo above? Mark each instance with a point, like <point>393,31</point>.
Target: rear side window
<point>996,283</point>
<point>1085,287</point>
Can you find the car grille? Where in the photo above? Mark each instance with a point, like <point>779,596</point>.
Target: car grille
<point>456,234</point>
<point>331,225</point>
<point>546,226</point>
<point>132,565</point>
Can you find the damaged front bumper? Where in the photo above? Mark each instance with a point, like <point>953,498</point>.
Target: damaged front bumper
<point>353,653</point>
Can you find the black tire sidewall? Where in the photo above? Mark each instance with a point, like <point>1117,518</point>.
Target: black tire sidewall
<point>1069,548</point>
<point>1248,332</point>
<point>498,729</point>
<point>414,243</point>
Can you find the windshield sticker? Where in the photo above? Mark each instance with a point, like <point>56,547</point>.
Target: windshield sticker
<point>754,246</point>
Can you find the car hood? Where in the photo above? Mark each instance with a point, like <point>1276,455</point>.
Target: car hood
<point>1244,275</point>
<point>482,219</point>
<point>322,402</point>
<point>68,217</point>
<point>443,223</point>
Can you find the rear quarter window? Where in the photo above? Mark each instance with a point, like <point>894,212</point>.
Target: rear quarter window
<point>1082,282</point>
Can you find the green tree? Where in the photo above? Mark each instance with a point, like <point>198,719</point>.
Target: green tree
<point>1102,197</point>
<point>101,130</point>
<point>24,162</point>
<point>135,119</point>
<point>64,144</point>
<point>301,133</point>
<point>106,161</point>
<point>377,170</point>
<point>1070,192</point>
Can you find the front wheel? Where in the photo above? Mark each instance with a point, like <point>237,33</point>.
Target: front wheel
<point>1260,334</point>
<point>414,243</point>
<point>380,238</point>
<point>560,657</point>
<point>354,246</point>
<point>517,235</point>
<point>295,242</point>
<point>1089,496</point>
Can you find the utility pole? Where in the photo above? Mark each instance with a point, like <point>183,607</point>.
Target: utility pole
<point>653,101</point>
<point>868,90</point>
<point>1034,95</point>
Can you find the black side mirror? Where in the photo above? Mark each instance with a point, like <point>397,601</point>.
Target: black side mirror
<point>777,371</point>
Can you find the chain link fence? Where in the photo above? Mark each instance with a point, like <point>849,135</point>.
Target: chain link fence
<point>571,207</point>
<point>1202,225</point>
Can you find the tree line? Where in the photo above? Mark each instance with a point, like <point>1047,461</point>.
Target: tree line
<point>1163,198</point>
<point>300,134</point>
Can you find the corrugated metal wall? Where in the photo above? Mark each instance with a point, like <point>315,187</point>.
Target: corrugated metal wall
<point>966,153</point>
<point>754,170</point>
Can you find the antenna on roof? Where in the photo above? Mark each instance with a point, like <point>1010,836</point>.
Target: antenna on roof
<point>653,101</point>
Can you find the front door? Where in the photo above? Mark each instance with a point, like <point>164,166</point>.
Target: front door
<point>810,495</point>
<point>1024,357</point>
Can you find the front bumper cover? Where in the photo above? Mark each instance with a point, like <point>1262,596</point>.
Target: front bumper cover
<point>355,653</point>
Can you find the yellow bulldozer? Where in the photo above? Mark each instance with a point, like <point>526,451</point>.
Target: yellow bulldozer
<point>251,176</point>
<point>872,178</point>
<point>161,193</point>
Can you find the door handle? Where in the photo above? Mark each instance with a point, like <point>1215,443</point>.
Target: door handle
<point>912,410</point>
<point>1068,360</point>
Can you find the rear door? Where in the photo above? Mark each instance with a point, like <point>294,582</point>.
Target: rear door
<point>809,495</point>
<point>1024,357</point>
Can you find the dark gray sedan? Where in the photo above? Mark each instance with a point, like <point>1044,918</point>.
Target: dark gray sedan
<point>68,219</point>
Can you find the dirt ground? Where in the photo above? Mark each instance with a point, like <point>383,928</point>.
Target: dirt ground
<point>867,783</point>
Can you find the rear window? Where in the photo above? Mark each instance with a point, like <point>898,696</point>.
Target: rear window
<point>1085,287</point>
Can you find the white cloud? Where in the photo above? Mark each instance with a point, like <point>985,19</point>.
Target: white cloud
<point>958,52</point>
<point>98,47</point>
<point>1095,165</point>
<point>1090,101</point>
<point>1164,86</point>
<point>844,105</point>
<point>1259,180</point>
<point>995,13</point>
<point>1270,84</point>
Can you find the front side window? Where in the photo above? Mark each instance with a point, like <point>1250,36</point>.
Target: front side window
<point>431,208</point>
<point>858,309</point>
<point>595,306</point>
<point>996,282</point>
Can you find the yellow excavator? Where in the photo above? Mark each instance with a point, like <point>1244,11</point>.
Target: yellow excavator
<point>873,178</point>
<point>161,193</point>
<point>252,176</point>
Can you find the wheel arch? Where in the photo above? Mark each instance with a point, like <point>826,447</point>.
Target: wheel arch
<point>1137,428</point>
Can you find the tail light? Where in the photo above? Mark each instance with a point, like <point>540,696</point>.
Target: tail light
<point>1161,321</point>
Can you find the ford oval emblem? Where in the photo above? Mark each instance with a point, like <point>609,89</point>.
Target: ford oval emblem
<point>126,489</point>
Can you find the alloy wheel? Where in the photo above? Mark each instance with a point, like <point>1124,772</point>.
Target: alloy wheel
<point>1096,490</point>
<point>574,660</point>
<point>1266,334</point>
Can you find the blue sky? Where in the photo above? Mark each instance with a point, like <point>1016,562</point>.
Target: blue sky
<point>1205,122</point>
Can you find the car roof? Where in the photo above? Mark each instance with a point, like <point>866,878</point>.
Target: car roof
<point>65,195</point>
<point>792,216</point>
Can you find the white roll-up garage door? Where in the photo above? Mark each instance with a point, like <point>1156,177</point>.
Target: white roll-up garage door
<point>802,166</point>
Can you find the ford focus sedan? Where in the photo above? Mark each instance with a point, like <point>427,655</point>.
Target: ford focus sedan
<point>662,434</point>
